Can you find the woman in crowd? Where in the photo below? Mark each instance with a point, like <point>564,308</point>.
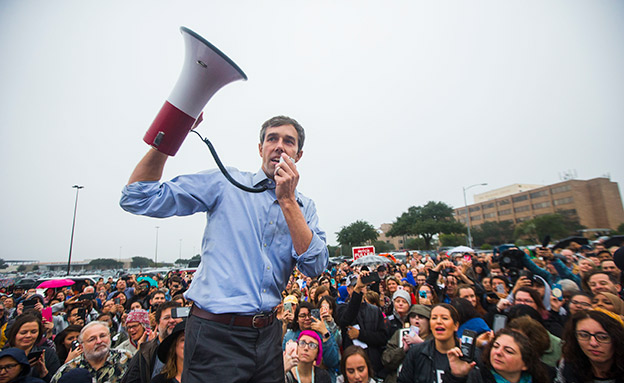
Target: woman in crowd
<point>327,309</point>
<point>355,366</point>
<point>63,342</point>
<point>392,285</point>
<point>400,342</point>
<point>321,291</point>
<point>427,360</point>
<point>425,295</point>
<point>171,353</point>
<point>469,318</point>
<point>305,321</point>
<point>469,292</point>
<point>401,301</point>
<point>609,302</point>
<point>303,367</point>
<point>546,345</point>
<point>15,368</point>
<point>25,334</point>
<point>593,348</point>
<point>578,302</point>
<point>509,358</point>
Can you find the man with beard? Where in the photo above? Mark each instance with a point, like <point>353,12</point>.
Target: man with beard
<point>145,365</point>
<point>103,363</point>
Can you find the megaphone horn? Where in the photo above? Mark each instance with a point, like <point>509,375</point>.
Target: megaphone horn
<point>206,70</point>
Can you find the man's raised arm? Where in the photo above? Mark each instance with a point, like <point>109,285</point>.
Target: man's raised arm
<point>150,168</point>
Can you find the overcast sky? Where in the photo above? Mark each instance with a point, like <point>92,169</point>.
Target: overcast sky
<point>403,102</point>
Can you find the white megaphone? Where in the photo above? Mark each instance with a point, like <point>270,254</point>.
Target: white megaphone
<point>206,70</point>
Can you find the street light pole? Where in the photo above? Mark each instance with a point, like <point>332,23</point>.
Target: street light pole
<point>468,214</point>
<point>156,253</point>
<point>71,241</point>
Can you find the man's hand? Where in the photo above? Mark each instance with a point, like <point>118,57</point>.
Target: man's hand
<point>353,332</point>
<point>521,282</point>
<point>286,179</point>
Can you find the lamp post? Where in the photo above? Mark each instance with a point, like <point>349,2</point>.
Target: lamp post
<point>156,251</point>
<point>71,241</point>
<point>468,214</point>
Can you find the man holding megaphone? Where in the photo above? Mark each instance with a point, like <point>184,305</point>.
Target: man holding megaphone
<point>251,244</point>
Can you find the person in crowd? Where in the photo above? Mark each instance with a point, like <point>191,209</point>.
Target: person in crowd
<point>25,333</point>
<point>319,293</point>
<point>156,298</point>
<point>609,302</point>
<point>402,302</point>
<point>388,288</point>
<point>303,366</point>
<point>138,329</point>
<point>363,324</point>
<point>327,310</point>
<point>64,342</point>
<point>15,367</point>
<point>578,302</point>
<point>547,346</point>
<point>103,363</point>
<point>593,348</point>
<point>145,365</point>
<point>171,353</point>
<point>602,281</point>
<point>509,358</point>
<point>306,322</point>
<point>355,366</point>
<point>427,362</point>
<point>454,275</point>
<point>122,287</point>
<point>426,295</point>
<point>469,318</point>
<point>401,341</point>
<point>469,292</point>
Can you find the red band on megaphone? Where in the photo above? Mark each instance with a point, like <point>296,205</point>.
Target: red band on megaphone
<point>169,129</point>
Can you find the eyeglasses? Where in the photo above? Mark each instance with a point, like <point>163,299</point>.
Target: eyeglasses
<point>8,367</point>
<point>601,337</point>
<point>311,346</point>
<point>305,316</point>
<point>582,304</point>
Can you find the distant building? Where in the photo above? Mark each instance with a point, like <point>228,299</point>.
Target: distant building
<point>596,203</point>
<point>504,192</point>
<point>398,242</point>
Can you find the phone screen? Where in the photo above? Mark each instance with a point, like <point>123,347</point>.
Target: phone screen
<point>499,322</point>
<point>180,312</point>
<point>316,313</point>
<point>468,345</point>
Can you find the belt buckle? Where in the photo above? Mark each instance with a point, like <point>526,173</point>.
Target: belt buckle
<point>259,317</point>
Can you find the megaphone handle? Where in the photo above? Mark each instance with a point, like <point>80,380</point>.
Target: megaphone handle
<point>224,170</point>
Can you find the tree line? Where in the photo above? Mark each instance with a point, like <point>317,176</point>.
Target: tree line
<point>420,226</point>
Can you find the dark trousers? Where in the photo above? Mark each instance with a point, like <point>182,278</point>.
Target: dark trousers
<point>216,352</point>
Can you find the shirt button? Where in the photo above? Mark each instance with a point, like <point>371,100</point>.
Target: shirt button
<point>268,267</point>
<point>270,222</point>
<point>265,245</point>
<point>264,290</point>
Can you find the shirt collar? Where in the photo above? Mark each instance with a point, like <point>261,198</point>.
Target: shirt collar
<point>260,179</point>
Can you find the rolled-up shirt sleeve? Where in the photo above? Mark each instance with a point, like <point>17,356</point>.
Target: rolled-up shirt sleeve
<point>183,195</point>
<point>314,261</point>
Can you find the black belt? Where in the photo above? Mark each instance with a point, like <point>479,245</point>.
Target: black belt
<point>255,321</point>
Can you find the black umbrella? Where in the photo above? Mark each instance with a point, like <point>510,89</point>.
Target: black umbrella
<point>616,240</point>
<point>564,243</point>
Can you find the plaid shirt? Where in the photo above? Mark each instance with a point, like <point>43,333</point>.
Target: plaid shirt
<point>111,372</point>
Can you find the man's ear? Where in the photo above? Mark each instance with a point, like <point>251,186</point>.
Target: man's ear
<point>298,156</point>
<point>260,149</point>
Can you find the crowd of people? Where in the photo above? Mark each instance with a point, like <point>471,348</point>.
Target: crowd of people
<point>531,316</point>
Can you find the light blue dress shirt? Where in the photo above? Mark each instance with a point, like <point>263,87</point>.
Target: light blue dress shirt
<point>247,252</point>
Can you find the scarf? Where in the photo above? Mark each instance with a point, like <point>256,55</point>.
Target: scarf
<point>524,378</point>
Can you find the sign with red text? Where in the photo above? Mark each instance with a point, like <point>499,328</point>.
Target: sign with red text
<point>360,251</point>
